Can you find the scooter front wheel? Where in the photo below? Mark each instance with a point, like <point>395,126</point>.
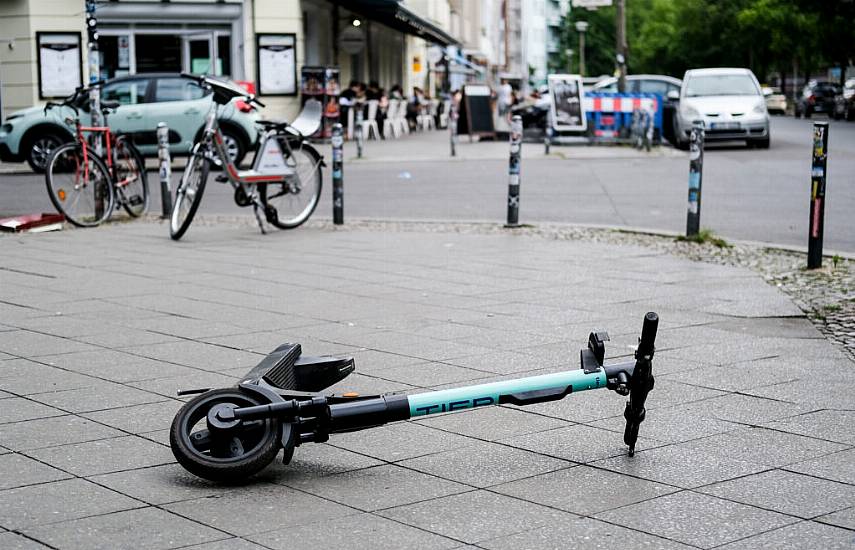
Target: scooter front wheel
<point>224,452</point>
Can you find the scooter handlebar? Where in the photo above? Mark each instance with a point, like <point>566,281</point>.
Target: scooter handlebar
<point>641,382</point>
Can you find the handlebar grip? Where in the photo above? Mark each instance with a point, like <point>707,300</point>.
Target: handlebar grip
<point>648,335</point>
<point>257,102</point>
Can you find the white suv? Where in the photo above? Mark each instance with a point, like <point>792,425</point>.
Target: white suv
<point>728,101</point>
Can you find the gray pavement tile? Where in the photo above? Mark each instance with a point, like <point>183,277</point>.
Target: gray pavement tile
<point>695,519</point>
<point>376,488</point>
<point>116,366</point>
<point>485,464</point>
<point>358,532</point>
<point>137,419</point>
<point>395,442</point>
<point>821,393</point>
<point>99,396</point>
<point>198,355</point>
<point>799,536</point>
<point>146,528</point>
<point>169,387</point>
<point>476,516</point>
<point>185,327</point>
<point>18,470</point>
<point>843,518</point>
<point>768,447</point>
<point>53,431</point>
<point>159,484</point>
<point>66,326</point>
<point>581,534</point>
<point>492,423</point>
<point>126,337</point>
<point>14,541</point>
<point>582,490</point>
<point>429,375</point>
<point>826,424</point>
<point>786,492</point>
<point>105,455</point>
<point>503,362</point>
<point>226,544</point>
<point>58,501</point>
<point>25,343</point>
<point>577,443</point>
<point>17,409</point>
<point>373,361</point>
<point>672,425</point>
<point>271,506</point>
<point>24,377</point>
<point>315,460</point>
<point>365,384</point>
<point>686,465</point>
<point>838,467</point>
<point>743,376</point>
<point>745,409</point>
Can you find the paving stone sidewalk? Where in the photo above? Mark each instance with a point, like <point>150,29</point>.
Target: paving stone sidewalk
<point>747,443</point>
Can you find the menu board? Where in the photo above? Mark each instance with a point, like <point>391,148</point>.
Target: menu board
<point>277,64</point>
<point>476,111</point>
<point>568,111</point>
<point>60,65</point>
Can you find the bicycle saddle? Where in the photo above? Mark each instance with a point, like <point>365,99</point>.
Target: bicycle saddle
<point>109,106</point>
<point>286,368</point>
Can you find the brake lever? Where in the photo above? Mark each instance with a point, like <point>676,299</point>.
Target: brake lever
<point>641,382</point>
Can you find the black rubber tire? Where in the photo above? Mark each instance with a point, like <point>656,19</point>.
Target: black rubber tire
<point>177,232</point>
<point>226,470</point>
<point>51,176</point>
<point>31,140</point>
<point>137,159</point>
<point>316,159</point>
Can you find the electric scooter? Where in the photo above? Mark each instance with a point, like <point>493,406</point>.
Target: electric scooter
<point>227,435</point>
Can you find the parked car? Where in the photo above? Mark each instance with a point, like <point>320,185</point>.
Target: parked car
<point>817,97</point>
<point>728,101</point>
<point>844,106</point>
<point>776,101</point>
<point>145,100</point>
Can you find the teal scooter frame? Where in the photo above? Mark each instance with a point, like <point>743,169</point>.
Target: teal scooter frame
<point>229,434</point>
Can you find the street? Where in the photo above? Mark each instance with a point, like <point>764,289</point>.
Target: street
<point>747,194</point>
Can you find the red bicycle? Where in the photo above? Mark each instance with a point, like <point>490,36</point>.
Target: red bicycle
<point>85,187</point>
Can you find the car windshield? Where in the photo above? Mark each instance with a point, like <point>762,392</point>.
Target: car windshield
<point>726,84</point>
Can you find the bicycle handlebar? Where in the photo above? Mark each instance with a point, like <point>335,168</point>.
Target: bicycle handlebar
<point>223,86</point>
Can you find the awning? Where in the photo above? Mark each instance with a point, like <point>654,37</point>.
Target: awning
<point>392,14</point>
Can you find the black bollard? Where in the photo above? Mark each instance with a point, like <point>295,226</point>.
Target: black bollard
<point>452,130</point>
<point>164,169</point>
<point>696,170</point>
<point>337,176</point>
<point>547,138</point>
<point>514,172</point>
<point>818,177</point>
<point>358,130</point>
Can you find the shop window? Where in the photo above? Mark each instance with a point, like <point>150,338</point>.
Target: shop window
<point>126,92</point>
<point>178,89</point>
<point>158,53</point>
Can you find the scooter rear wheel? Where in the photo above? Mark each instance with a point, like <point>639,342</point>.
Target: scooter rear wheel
<point>224,456</point>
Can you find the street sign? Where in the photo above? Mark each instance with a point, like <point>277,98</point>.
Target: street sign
<point>591,3</point>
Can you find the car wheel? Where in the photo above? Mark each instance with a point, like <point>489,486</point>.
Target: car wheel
<point>39,148</point>
<point>234,144</point>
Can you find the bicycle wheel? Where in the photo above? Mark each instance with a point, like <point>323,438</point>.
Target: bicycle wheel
<point>189,194</point>
<point>80,190</point>
<point>296,199</point>
<point>131,181</point>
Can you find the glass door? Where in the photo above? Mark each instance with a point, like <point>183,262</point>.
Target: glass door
<point>200,53</point>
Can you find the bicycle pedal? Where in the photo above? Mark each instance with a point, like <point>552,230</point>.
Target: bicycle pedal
<point>222,178</point>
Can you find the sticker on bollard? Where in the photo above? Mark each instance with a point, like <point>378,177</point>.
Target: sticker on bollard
<point>337,174</point>
<point>696,169</point>
<point>818,175</point>
<point>164,169</point>
<point>452,130</point>
<point>514,172</point>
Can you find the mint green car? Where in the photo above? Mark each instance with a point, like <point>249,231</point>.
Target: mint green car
<point>145,100</point>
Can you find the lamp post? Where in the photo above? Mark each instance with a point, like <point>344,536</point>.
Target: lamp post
<point>581,27</point>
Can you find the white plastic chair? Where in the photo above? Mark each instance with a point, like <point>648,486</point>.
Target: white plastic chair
<point>446,111</point>
<point>351,115</point>
<point>390,123</point>
<point>425,118</point>
<point>369,125</point>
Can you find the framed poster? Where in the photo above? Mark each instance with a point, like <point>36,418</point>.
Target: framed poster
<point>277,64</point>
<point>60,63</point>
<point>568,111</point>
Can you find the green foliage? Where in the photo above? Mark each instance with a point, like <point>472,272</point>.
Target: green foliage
<point>671,36</point>
<point>705,236</point>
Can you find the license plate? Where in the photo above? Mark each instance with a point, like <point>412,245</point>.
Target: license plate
<point>725,126</point>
